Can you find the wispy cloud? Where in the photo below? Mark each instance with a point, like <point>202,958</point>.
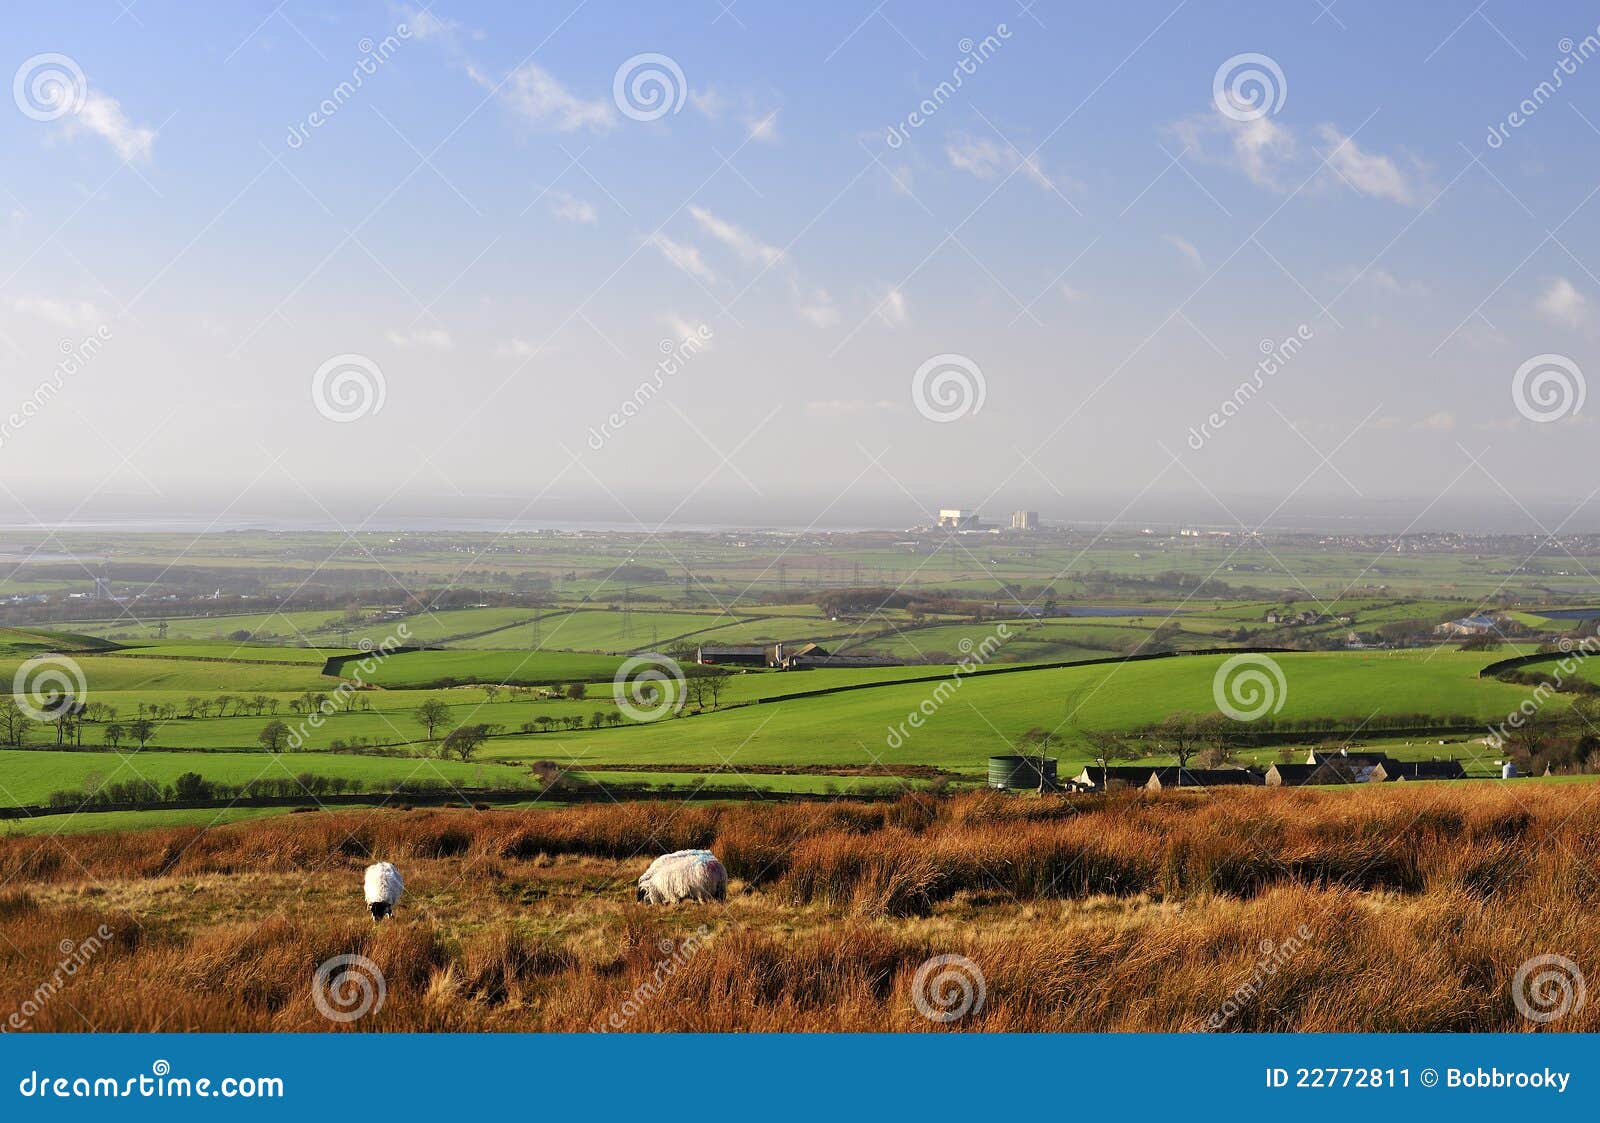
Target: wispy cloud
<point>1261,148</point>
<point>1187,249</point>
<point>76,314</point>
<point>515,348</point>
<point>684,256</point>
<point>102,115</point>
<point>986,159</point>
<point>740,241</point>
<point>570,209</point>
<point>1368,173</point>
<point>432,339</point>
<point>536,96</point>
<point>680,329</point>
<point>892,308</point>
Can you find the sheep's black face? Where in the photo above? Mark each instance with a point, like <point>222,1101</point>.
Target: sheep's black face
<point>638,894</point>
<point>380,909</point>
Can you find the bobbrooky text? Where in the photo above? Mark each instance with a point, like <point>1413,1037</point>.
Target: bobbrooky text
<point>376,654</point>
<point>73,359</point>
<point>1275,358</point>
<point>974,657</point>
<point>973,55</point>
<point>674,355</point>
<point>1574,55</point>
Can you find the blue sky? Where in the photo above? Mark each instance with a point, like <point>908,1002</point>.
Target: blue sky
<point>1081,223</point>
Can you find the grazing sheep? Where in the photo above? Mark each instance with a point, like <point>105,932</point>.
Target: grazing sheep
<point>383,889</point>
<point>687,875</point>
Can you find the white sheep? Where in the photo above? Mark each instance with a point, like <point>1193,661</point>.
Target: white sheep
<point>383,887</point>
<point>686,875</point>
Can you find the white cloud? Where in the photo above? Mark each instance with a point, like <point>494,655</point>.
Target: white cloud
<point>1562,304</point>
<point>103,116</point>
<point>709,102</point>
<point>62,313</point>
<point>1187,249</point>
<point>741,242</point>
<point>434,339</point>
<point>1442,421</point>
<point>763,128</point>
<point>846,407</point>
<point>820,311</point>
<point>680,329</point>
<point>515,348</point>
<point>1070,294</point>
<point>891,307</point>
<point>1368,173</point>
<point>683,255</point>
<point>535,95</point>
<point>1260,148</point>
<point>571,209</point>
<point>425,25</point>
<point>986,159</point>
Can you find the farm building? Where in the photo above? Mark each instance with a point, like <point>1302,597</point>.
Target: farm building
<point>1469,626</point>
<point>783,656</point>
<point>1332,771</point>
<point>1117,776</point>
<point>1165,778</point>
<point>1422,770</point>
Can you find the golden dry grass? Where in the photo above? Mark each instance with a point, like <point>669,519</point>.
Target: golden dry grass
<point>1400,908</point>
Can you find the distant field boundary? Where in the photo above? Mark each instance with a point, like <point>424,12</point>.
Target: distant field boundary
<point>1495,669</point>
<point>596,794</point>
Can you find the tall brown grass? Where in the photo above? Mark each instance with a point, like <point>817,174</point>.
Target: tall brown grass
<point>1400,908</point>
